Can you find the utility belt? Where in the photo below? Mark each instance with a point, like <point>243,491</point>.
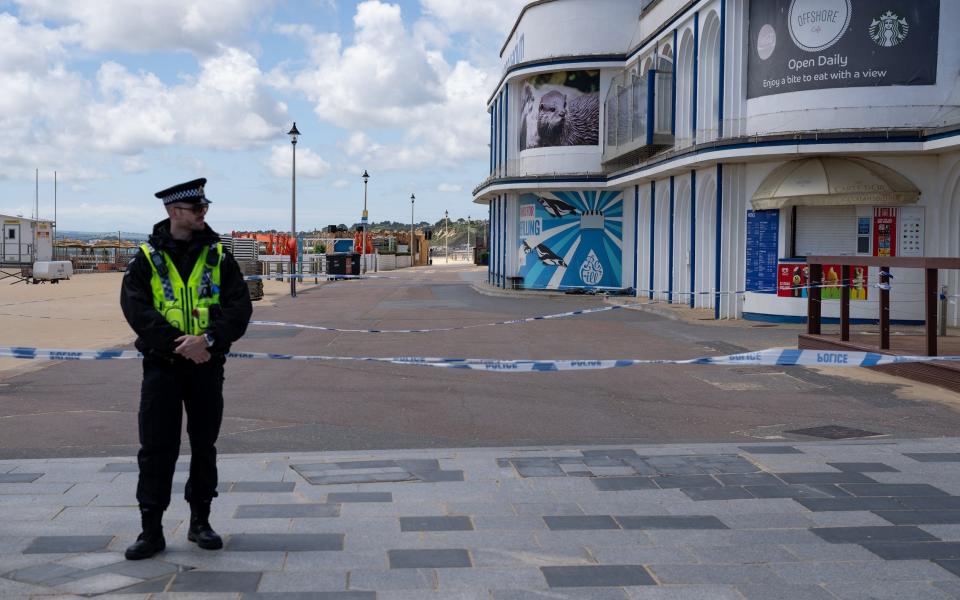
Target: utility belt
<point>201,316</point>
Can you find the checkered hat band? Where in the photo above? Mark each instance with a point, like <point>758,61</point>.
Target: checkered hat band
<point>183,195</point>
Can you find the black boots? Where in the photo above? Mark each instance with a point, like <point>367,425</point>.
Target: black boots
<point>150,541</point>
<point>200,530</point>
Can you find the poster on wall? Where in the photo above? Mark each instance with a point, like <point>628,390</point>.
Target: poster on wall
<point>817,44</point>
<point>763,236</point>
<point>560,109</point>
<point>571,239</point>
<point>793,279</point>
<point>885,232</point>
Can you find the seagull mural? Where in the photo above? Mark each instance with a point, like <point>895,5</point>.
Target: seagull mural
<point>547,256</point>
<point>557,208</point>
<point>566,252</point>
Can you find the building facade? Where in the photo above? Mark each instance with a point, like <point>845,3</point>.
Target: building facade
<point>695,151</point>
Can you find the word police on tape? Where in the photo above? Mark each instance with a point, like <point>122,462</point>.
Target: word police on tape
<point>770,357</point>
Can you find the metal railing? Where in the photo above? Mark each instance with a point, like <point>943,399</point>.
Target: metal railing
<point>639,113</point>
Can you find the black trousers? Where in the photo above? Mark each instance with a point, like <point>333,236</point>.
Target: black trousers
<point>167,389</point>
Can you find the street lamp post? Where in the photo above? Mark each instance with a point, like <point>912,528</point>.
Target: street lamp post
<point>413,261</point>
<point>468,237</point>
<point>363,222</point>
<point>446,237</point>
<point>293,133</point>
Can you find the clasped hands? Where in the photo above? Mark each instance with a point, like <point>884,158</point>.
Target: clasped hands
<point>193,347</point>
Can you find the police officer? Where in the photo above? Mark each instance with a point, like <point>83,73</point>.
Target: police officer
<point>186,299</point>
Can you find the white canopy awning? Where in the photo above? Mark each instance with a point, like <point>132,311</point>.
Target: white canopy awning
<point>834,181</point>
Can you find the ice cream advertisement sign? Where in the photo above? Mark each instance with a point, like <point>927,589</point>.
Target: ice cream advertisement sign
<point>793,281</point>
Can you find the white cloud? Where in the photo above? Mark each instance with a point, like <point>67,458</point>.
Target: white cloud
<point>449,188</point>
<point>27,47</point>
<point>388,79</point>
<point>458,128</point>
<point>53,116</point>
<point>224,107</point>
<point>359,143</point>
<point>147,25</point>
<point>134,164</point>
<point>309,164</point>
<point>378,81</point>
<point>341,184</point>
<point>495,15</point>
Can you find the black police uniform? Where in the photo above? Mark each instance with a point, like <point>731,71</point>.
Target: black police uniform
<point>172,383</point>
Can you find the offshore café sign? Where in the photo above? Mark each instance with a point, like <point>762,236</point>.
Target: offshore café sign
<point>816,44</point>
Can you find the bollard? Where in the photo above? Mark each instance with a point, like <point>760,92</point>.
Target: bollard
<point>942,312</point>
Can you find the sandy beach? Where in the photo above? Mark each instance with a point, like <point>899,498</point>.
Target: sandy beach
<point>83,312</point>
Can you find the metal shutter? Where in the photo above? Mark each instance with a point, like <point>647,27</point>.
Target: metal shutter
<point>826,230</point>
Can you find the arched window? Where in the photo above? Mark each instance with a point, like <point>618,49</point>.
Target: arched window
<point>684,75</point>
<point>664,90</point>
<point>708,92</point>
<point>705,240</point>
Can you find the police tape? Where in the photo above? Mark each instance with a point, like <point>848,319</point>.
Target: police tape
<point>786,357</point>
<point>563,315</point>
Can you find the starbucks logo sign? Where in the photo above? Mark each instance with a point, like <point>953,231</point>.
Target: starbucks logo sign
<point>889,29</point>
<point>816,25</point>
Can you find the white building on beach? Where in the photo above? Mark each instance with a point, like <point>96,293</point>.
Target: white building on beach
<point>696,151</point>
<point>25,240</point>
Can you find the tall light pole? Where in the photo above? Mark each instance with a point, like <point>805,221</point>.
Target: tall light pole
<point>468,236</point>
<point>413,261</point>
<point>446,237</point>
<point>363,222</point>
<point>293,133</point>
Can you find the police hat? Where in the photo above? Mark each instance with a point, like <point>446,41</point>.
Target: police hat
<point>190,192</point>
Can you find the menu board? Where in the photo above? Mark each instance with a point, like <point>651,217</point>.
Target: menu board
<point>763,233</point>
<point>911,230</point>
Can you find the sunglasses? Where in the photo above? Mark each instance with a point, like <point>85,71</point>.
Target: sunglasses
<point>197,209</point>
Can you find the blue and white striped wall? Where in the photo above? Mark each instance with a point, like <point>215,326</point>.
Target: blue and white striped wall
<point>681,237</point>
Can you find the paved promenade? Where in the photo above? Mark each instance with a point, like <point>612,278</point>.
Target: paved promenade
<point>872,519</point>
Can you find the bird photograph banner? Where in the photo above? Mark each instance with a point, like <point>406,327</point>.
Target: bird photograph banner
<point>560,109</point>
<point>818,44</point>
<point>571,239</point>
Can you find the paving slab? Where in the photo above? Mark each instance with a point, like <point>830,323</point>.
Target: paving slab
<point>215,581</point>
<point>815,528</point>
<point>597,576</point>
<point>54,544</point>
<point>286,511</point>
<point>436,524</point>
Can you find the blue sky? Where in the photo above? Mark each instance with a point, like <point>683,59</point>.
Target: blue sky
<point>125,98</point>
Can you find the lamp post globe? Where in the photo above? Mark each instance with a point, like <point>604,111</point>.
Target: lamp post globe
<point>294,133</point>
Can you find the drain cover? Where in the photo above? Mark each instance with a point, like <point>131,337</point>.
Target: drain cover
<point>834,432</point>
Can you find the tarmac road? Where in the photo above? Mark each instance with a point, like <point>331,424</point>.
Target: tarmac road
<point>89,408</point>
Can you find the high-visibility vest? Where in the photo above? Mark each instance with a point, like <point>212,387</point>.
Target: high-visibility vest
<point>186,306</point>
